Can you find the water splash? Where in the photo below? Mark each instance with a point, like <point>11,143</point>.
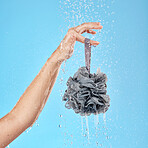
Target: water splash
<point>37,124</point>
<point>81,11</point>
<point>27,130</point>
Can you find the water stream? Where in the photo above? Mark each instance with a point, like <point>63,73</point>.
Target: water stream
<point>87,128</point>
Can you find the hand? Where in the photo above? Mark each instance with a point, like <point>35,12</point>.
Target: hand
<point>66,46</point>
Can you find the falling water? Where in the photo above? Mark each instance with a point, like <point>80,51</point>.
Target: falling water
<point>96,122</point>
<point>82,124</point>
<point>97,117</point>
<point>87,127</point>
<point>76,12</point>
<point>104,119</point>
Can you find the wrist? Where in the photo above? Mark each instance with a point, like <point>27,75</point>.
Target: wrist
<point>57,56</point>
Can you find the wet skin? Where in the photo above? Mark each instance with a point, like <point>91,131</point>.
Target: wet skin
<point>33,100</point>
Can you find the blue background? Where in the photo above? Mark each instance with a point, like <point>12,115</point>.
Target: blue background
<point>30,30</point>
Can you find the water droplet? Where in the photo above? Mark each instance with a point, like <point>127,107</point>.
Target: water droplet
<point>60,126</point>
<point>27,130</point>
<point>61,80</point>
<point>61,116</point>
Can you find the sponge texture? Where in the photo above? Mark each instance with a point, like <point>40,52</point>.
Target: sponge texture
<point>86,93</point>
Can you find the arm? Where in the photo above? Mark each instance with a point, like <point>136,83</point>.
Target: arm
<point>31,103</point>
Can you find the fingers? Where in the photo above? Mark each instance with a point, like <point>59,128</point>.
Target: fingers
<point>81,39</point>
<point>87,26</point>
<point>89,31</point>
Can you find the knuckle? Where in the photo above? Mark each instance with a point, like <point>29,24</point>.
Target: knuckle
<point>71,32</point>
<point>84,24</point>
<point>71,29</point>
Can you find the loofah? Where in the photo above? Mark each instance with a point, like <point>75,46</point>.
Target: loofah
<point>86,92</point>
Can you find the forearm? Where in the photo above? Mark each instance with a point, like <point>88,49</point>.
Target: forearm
<point>36,95</point>
<point>38,91</point>
<point>30,104</point>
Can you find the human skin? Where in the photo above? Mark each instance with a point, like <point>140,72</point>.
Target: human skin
<point>33,100</point>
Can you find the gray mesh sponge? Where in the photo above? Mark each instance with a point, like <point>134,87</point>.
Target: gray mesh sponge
<point>86,93</point>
